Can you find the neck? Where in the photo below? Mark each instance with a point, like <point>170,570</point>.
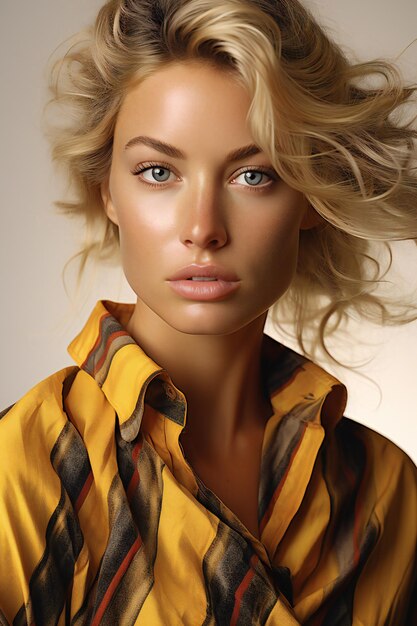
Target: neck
<point>220,376</point>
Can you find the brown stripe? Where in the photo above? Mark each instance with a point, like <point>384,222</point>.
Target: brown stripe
<point>112,337</point>
<point>130,428</point>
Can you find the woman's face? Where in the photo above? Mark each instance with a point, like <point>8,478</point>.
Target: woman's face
<point>208,231</point>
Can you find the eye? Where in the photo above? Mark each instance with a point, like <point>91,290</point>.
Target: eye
<point>254,178</point>
<point>153,173</point>
<point>156,174</point>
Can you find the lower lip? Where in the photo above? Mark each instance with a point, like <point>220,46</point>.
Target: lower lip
<point>204,290</point>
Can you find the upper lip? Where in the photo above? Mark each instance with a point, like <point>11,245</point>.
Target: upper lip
<point>206,271</point>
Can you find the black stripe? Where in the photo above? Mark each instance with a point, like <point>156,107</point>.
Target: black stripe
<point>345,450</point>
<point>5,411</point>
<point>85,613</point>
<point>279,364</point>
<point>73,467</point>
<point>172,406</point>
<point>67,384</point>
<point>51,581</point>
<point>20,618</point>
<point>223,578</point>
<point>53,576</point>
<point>148,495</point>
<point>283,442</point>
<point>123,534</point>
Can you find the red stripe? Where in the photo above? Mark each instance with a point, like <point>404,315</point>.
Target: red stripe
<point>278,490</point>
<point>136,451</point>
<point>240,591</point>
<point>134,481</point>
<point>115,582</point>
<point>84,491</point>
<point>109,341</point>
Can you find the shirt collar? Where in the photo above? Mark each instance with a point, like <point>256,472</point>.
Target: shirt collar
<point>106,351</point>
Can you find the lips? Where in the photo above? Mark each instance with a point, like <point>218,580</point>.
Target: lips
<point>208,273</point>
<point>204,283</point>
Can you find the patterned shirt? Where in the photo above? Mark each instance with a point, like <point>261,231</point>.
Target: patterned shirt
<point>103,520</point>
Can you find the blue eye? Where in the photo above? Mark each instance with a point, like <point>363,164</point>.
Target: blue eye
<point>158,174</point>
<point>254,178</point>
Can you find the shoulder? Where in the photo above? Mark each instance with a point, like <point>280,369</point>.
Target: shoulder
<point>35,510</point>
<point>44,391</point>
<point>358,443</point>
<point>42,402</point>
<point>372,488</point>
<point>373,470</point>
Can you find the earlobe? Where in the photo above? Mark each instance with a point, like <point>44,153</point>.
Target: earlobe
<point>310,218</point>
<point>107,201</point>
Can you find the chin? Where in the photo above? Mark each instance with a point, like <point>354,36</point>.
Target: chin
<point>214,323</point>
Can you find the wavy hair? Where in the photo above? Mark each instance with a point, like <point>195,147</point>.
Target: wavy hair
<point>333,129</point>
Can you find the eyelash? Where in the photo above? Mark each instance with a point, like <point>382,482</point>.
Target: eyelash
<point>148,166</point>
<point>263,170</point>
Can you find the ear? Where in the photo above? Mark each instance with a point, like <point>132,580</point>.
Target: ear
<point>310,218</point>
<point>107,201</point>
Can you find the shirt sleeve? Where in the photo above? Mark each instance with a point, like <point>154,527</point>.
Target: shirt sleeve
<point>30,492</point>
<point>388,576</point>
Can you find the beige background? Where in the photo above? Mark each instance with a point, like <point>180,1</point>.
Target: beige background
<point>38,319</point>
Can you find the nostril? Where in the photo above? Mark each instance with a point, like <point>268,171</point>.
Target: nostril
<point>204,233</point>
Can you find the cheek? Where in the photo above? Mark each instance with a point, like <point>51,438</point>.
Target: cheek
<point>275,242</point>
<point>144,225</point>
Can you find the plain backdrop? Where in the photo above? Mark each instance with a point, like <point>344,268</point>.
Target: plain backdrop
<point>38,319</point>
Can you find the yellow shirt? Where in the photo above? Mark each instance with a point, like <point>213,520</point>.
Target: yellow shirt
<point>103,521</point>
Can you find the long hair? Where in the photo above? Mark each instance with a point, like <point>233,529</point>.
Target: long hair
<point>330,131</point>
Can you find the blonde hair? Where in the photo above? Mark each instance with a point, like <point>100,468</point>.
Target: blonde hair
<point>329,131</point>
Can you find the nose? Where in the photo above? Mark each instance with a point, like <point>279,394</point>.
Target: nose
<point>203,223</point>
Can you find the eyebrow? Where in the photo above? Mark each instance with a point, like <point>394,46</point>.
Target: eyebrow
<point>166,148</point>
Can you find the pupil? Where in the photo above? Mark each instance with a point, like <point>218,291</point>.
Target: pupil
<point>253,178</point>
<point>160,173</point>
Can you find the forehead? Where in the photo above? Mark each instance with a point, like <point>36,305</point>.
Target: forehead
<point>183,101</point>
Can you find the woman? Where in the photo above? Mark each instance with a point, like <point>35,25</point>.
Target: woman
<point>188,469</point>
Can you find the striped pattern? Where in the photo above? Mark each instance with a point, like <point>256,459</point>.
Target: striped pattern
<point>110,339</point>
<point>104,523</point>
<point>126,575</point>
<point>277,459</point>
<point>238,589</point>
<point>50,581</point>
